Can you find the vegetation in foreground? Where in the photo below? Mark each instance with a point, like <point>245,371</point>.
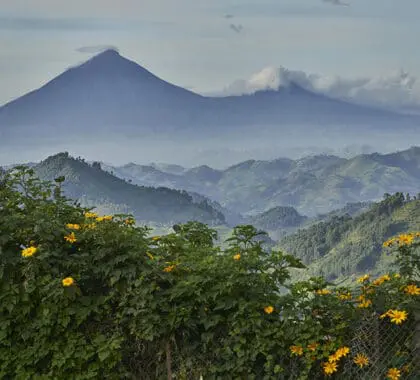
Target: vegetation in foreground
<point>87,296</point>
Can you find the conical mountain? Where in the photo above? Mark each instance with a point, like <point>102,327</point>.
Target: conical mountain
<point>107,90</point>
<point>111,95</point>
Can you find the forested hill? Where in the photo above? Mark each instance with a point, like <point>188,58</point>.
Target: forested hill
<point>344,245</point>
<point>94,187</point>
<point>312,185</point>
<point>278,218</point>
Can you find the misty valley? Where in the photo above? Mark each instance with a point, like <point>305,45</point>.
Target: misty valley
<point>308,206</point>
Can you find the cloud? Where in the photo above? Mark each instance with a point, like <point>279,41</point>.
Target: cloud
<point>337,2</point>
<point>228,16</point>
<point>236,28</point>
<point>41,23</point>
<point>398,89</point>
<point>96,49</point>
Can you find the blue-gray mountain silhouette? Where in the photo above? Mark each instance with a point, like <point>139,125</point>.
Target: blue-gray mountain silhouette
<point>111,94</point>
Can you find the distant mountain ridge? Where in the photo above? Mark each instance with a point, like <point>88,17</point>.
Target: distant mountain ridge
<point>313,185</point>
<point>93,187</point>
<point>110,94</point>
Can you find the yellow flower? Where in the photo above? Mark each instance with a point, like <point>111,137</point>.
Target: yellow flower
<point>343,351</point>
<point>90,226</point>
<point>389,242</point>
<point>363,279</point>
<point>237,257</point>
<point>104,218</point>
<point>169,268</point>
<point>71,238</point>
<point>393,374</point>
<point>296,350</point>
<point>397,275</point>
<point>333,358</point>
<point>73,226</point>
<point>91,215</point>
<point>323,292</point>
<point>364,304</point>
<point>336,356</point>
<point>28,252</point>
<point>129,222</point>
<point>313,346</point>
<point>405,239</point>
<point>345,296</point>
<point>387,314</point>
<point>268,309</point>
<point>361,360</point>
<point>151,257</point>
<point>68,281</point>
<point>402,240</point>
<point>155,238</point>
<point>330,368</point>
<point>412,290</point>
<point>398,316</point>
<point>379,281</point>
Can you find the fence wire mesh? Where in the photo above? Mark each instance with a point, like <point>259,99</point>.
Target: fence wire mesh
<point>385,345</point>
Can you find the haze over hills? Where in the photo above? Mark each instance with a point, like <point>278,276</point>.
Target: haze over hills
<point>113,104</point>
<point>93,187</point>
<point>262,192</point>
<point>337,244</point>
<point>313,185</point>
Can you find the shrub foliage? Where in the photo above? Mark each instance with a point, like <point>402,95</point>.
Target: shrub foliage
<point>86,296</point>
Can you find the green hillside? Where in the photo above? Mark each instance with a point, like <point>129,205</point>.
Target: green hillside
<point>345,245</point>
<point>352,209</point>
<point>278,221</point>
<point>278,218</point>
<point>93,187</point>
<point>313,185</point>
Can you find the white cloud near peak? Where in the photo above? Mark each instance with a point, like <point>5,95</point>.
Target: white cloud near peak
<point>398,89</point>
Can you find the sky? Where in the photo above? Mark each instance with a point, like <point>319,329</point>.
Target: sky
<point>207,45</point>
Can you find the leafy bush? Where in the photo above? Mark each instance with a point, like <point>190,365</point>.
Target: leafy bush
<point>87,296</point>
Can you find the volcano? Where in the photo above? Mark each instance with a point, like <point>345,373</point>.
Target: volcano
<point>110,95</point>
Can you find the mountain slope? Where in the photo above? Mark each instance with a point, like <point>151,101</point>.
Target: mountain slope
<point>105,91</point>
<point>313,185</point>
<point>278,218</point>
<point>344,245</point>
<point>96,188</point>
<point>278,221</point>
<point>111,95</point>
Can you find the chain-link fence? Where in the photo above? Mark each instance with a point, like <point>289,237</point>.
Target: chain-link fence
<point>385,345</point>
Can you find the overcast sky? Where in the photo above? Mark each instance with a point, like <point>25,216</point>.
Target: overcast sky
<point>207,44</point>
